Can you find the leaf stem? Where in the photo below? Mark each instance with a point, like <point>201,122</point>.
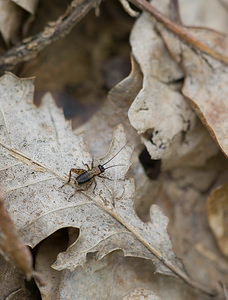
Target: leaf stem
<point>179,30</point>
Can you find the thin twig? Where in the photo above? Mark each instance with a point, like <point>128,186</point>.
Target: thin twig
<point>30,47</point>
<point>182,32</point>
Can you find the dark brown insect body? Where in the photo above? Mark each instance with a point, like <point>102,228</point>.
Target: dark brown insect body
<point>88,175</point>
<point>85,178</point>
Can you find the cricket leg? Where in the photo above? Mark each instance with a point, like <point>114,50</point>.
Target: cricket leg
<point>95,184</point>
<point>101,176</point>
<point>81,189</point>
<point>76,171</point>
<point>86,165</point>
<point>92,163</point>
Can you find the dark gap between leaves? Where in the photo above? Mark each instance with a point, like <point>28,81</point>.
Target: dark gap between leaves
<point>33,289</point>
<point>60,239</point>
<point>152,167</point>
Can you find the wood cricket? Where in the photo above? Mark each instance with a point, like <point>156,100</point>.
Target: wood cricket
<point>85,178</point>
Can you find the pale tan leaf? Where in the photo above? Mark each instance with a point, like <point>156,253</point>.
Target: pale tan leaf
<point>209,14</point>
<point>110,278</point>
<point>206,79</point>
<point>141,294</point>
<point>225,289</point>
<point>184,193</point>
<point>160,113</point>
<point>32,137</point>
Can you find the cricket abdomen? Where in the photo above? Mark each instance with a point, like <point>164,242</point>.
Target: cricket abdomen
<point>87,175</point>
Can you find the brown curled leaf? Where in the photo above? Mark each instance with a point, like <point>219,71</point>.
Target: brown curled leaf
<point>206,78</point>
<point>12,247</point>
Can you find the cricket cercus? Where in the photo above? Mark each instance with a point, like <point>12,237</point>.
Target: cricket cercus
<point>84,178</point>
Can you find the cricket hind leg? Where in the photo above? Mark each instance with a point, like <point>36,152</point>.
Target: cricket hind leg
<point>81,189</point>
<point>95,184</point>
<point>76,171</point>
<point>87,166</point>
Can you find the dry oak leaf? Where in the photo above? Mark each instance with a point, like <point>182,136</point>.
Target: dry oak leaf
<point>161,115</point>
<point>10,20</point>
<point>113,278</point>
<point>206,79</point>
<point>38,148</point>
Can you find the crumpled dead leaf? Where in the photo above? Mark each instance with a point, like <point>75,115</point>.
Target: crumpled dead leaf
<point>225,289</point>
<point>163,117</point>
<point>183,193</point>
<point>13,248</point>
<point>217,210</point>
<point>10,18</point>
<point>46,255</point>
<point>199,13</point>
<point>113,278</point>
<point>12,283</point>
<point>11,245</point>
<point>28,5</point>
<point>206,79</point>
<point>38,148</point>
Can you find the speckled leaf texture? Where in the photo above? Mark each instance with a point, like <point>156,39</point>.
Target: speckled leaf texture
<point>37,150</point>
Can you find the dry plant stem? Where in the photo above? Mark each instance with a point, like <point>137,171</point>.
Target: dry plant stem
<point>156,253</point>
<point>30,47</point>
<point>180,31</point>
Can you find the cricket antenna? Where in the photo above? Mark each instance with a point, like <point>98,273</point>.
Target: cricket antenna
<point>113,157</point>
<point>114,166</point>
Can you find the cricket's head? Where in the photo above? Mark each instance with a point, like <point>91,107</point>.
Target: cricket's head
<point>101,168</point>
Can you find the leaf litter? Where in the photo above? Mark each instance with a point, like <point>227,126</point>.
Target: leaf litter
<point>206,79</point>
<point>12,247</point>
<point>182,140</point>
<point>107,220</point>
<point>182,182</point>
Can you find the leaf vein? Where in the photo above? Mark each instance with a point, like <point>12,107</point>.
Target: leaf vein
<point>28,184</point>
<point>6,126</point>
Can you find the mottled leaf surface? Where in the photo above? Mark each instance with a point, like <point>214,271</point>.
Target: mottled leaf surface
<point>38,148</point>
